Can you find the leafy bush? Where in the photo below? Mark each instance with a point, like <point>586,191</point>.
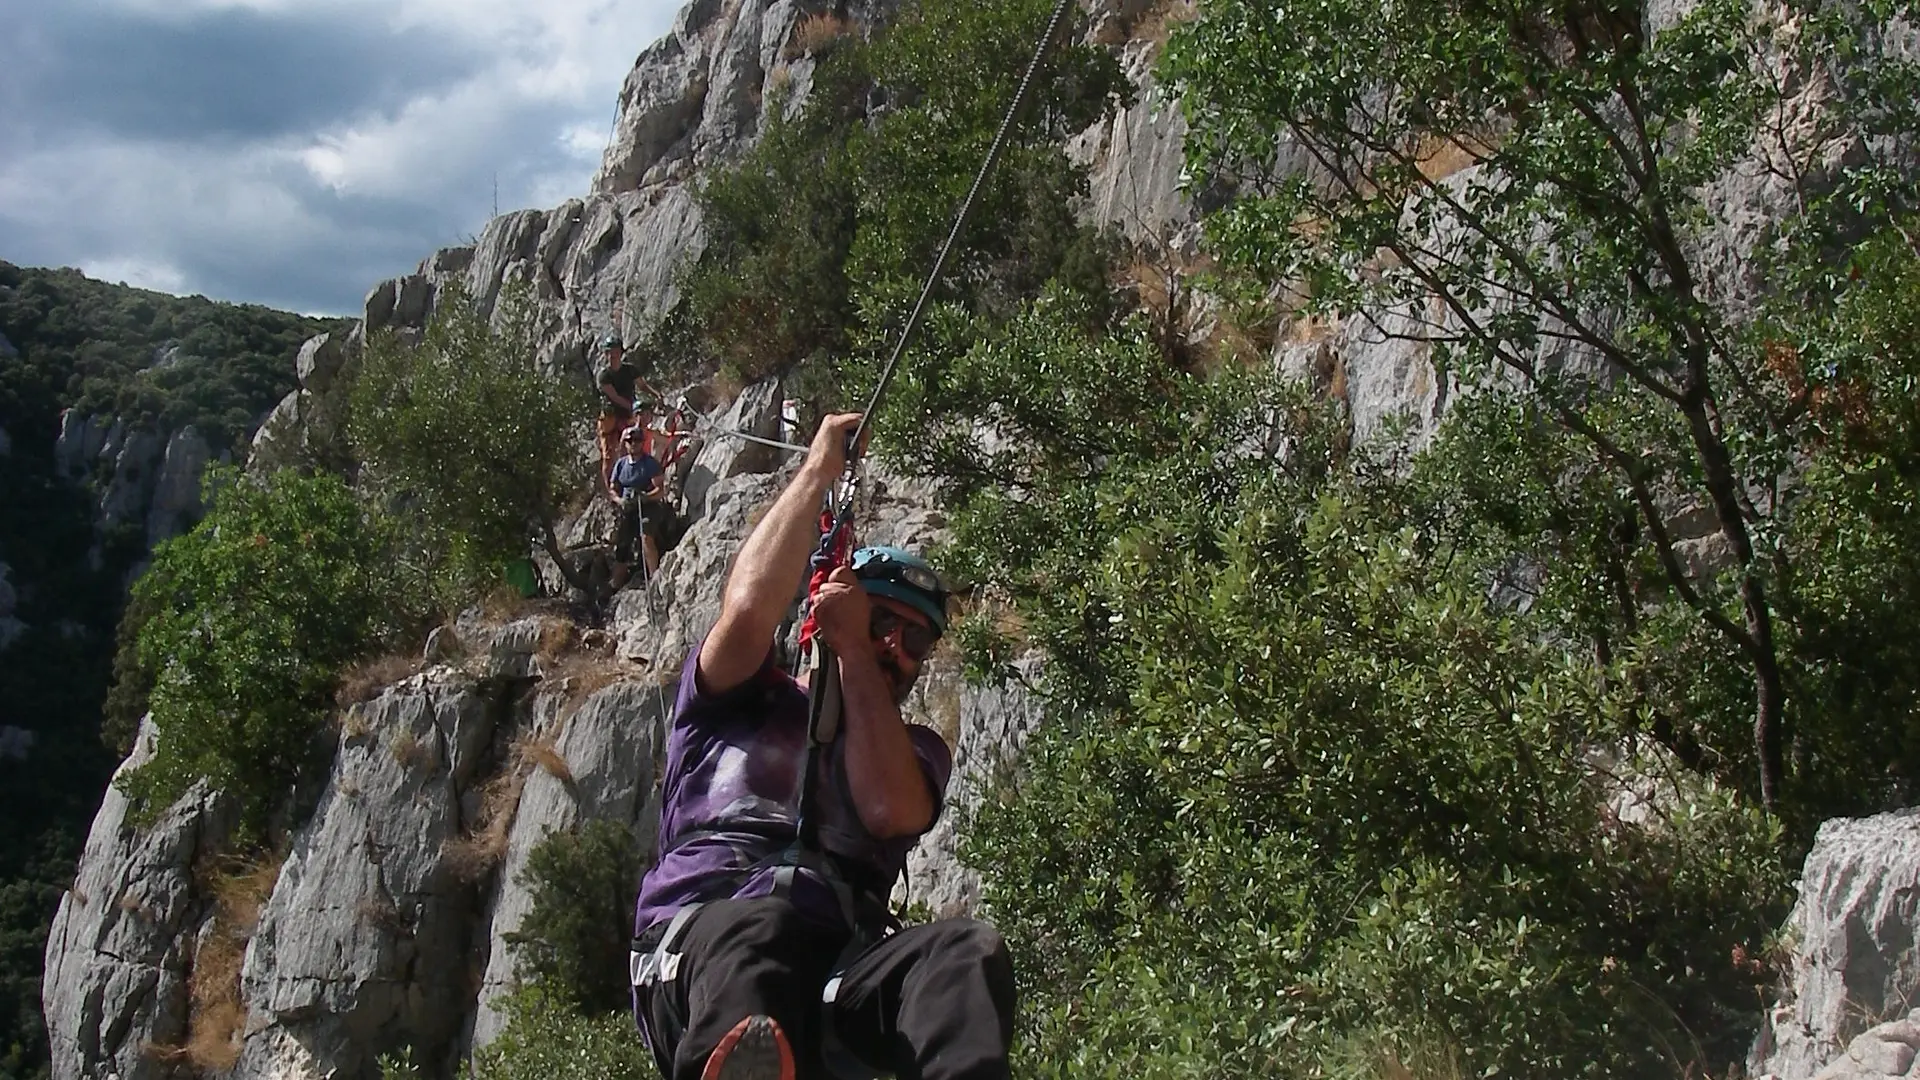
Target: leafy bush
<point>572,945</point>
<point>822,234</point>
<point>254,614</point>
<point>469,441</point>
<point>546,1039</point>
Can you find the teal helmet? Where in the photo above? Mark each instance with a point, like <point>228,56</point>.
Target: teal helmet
<point>898,574</point>
<point>611,341</point>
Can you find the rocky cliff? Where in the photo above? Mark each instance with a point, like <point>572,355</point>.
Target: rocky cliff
<point>386,927</point>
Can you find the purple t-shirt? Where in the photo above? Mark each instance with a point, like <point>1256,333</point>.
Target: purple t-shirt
<point>732,793</point>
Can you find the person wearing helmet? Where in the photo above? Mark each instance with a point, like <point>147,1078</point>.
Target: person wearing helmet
<point>618,410</point>
<point>760,958</point>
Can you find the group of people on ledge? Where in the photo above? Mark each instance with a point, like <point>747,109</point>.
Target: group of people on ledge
<point>632,466</point>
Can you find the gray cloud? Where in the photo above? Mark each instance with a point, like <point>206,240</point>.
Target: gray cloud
<point>294,152</point>
<point>232,72</point>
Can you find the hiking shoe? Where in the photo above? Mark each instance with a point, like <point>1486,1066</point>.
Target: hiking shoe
<point>756,1049</point>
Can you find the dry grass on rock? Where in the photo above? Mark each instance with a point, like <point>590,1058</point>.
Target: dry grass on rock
<point>217,1017</point>
<point>365,680</point>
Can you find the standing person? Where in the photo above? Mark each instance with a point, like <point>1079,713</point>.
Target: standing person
<point>756,958</point>
<point>618,412</point>
<point>639,489</point>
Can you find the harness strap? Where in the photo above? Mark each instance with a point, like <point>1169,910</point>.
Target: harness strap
<point>661,963</point>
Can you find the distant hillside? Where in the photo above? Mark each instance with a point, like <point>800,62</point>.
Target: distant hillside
<point>155,362</point>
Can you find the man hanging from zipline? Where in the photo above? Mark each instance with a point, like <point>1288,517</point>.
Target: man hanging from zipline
<point>762,955</point>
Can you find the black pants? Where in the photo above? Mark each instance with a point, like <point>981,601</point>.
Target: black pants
<point>932,1002</point>
<point>634,515</point>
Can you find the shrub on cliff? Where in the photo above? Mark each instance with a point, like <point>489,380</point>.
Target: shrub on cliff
<point>251,617</point>
<point>469,441</point>
<point>821,236</point>
<point>572,944</point>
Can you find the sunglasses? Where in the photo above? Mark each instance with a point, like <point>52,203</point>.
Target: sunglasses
<point>915,640</point>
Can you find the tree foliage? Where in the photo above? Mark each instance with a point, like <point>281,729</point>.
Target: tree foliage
<point>254,614</point>
<point>572,945</point>
<point>1533,192</point>
<point>468,440</point>
<point>821,236</point>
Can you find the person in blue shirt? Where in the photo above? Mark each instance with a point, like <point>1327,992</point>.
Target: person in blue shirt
<point>637,485</point>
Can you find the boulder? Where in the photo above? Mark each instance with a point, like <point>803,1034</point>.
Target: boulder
<point>123,942</point>
<point>1856,946</point>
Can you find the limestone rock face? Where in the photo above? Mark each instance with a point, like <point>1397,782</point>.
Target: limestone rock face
<point>176,490</point>
<point>608,754</point>
<point>364,942</point>
<point>1856,958</point>
<point>123,942</point>
<point>755,412</point>
<point>80,442</point>
<point>695,96</point>
<point>318,362</point>
<point>990,728</point>
<point>1135,159</point>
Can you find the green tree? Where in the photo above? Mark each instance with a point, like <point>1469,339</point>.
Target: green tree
<point>254,614</point>
<point>822,235</point>
<point>572,944</point>
<point>469,441</point>
<point>1531,190</point>
<point>546,1039</point>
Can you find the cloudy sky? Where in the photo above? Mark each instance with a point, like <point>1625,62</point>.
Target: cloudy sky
<point>294,152</point>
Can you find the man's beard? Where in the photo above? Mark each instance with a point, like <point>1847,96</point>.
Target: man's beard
<point>898,679</point>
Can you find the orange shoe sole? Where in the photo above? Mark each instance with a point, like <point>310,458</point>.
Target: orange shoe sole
<point>756,1049</point>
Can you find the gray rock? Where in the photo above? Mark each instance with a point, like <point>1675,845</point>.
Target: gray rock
<point>755,412</point>
<point>508,241</point>
<point>413,300</point>
<point>176,491</point>
<point>279,436</point>
<point>378,313</point>
<point>7,351</point>
<point>124,939</point>
<point>1136,158</point>
<point>363,946</point>
<point>609,749</point>
<point>130,492</point>
<point>80,442</point>
<point>318,362</point>
<point>442,644</point>
<point>6,443</point>
<point>987,726</point>
<point>657,626</point>
<point>1856,934</point>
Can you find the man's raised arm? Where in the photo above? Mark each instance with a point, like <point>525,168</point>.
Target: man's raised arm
<point>772,563</point>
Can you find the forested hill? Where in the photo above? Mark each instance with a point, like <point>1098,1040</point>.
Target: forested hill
<point>153,362</point>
